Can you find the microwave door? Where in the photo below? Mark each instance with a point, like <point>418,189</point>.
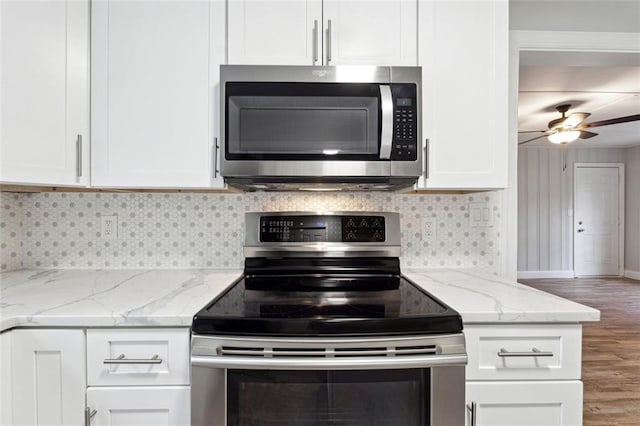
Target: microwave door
<point>386,135</point>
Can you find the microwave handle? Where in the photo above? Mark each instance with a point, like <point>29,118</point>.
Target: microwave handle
<point>386,137</point>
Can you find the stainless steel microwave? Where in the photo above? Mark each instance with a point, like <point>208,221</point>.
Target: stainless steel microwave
<point>302,127</point>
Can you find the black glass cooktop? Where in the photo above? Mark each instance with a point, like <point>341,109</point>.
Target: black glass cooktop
<point>326,305</point>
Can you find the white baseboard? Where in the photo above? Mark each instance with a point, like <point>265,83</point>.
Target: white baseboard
<point>632,274</point>
<point>545,274</point>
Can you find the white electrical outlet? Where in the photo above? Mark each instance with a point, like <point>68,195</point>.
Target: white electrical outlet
<point>109,227</point>
<point>428,229</point>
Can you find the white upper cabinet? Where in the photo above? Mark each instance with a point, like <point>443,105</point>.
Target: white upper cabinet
<point>316,32</point>
<point>44,92</point>
<point>275,32</point>
<point>378,32</point>
<point>155,68</point>
<point>464,57</point>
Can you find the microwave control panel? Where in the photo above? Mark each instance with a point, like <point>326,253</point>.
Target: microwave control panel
<point>405,115</point>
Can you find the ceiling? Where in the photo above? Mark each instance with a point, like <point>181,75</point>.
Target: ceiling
<point>607,85</point>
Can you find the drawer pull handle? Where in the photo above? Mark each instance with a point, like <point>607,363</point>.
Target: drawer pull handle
<point>155,359</point>
<point>473,410</point>
<point>534,352</point>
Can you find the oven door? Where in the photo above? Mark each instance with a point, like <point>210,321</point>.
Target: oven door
<point>299,388</point>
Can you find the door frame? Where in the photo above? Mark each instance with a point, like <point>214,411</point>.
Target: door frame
<point>621,177</point>
<point>528,40</point>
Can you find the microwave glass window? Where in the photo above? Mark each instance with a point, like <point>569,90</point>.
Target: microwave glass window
<point>303,125</point>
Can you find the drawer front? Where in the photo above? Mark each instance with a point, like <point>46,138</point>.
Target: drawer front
<point>138,357</point>
<point>524,352</point>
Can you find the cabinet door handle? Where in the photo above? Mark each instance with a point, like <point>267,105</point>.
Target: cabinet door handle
<point>534,352</point>
<point>328,42</point>
<point>425,172</point>
<point>473,409</point>
<point>122,359</point>
<point>315,41</point>
<point>215,157</point>
<point>88,415</point>
<point>79,156</point>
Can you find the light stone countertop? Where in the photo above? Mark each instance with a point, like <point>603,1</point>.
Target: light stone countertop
<point>170,298</point>
<point>482,298</point>
<point>107,298</point>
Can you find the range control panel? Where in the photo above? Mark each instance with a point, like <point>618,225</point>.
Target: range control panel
<point>405,115</point>
<point>322,228</point>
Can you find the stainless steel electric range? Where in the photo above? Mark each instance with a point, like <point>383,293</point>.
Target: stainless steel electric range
<point>322,329</point>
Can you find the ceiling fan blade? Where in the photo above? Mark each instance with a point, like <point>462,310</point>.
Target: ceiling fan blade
<point>531,140</point>
<point>618,120</point>
<point>575,119</point>
<point>532,131</point>
<point>586,135</point>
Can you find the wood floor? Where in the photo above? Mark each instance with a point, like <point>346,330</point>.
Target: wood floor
<point>611,347</point>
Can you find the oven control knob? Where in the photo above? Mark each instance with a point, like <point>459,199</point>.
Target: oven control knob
<point>376,223</point>
<point>351,236</point>
<point>364,223</point>
<point>351,224</point>
<point>377,236</point>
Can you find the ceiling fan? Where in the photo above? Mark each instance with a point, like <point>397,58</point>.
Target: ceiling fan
<point>567,129</point>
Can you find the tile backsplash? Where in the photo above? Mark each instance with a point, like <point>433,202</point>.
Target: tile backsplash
<point>198,230</point>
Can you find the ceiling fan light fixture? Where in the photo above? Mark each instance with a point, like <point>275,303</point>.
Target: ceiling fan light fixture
<point>563,137</point>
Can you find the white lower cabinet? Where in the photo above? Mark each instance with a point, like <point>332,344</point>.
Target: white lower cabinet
<point>139,405</point>
<point>48,378</point>
<point>523,374</point>
<point>524,403</point>
<point>138,377</point>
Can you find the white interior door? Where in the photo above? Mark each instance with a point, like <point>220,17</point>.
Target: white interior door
<point>597,221</point>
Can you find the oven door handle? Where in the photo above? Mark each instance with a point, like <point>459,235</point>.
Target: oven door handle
<point>386,137</point>
<point>347,363</point>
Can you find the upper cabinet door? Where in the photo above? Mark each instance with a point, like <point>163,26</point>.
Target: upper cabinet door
<point>154,68</point>
<point>44,92</point>
<point>464,58</point>
<point>275,32</point>
<point>375,32</point>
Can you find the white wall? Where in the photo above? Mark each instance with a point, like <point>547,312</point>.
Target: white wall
<point>575,15</point>
<point>632,207</point>
<point>545,194</point>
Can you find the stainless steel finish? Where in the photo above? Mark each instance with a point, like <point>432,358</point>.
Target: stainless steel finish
<point>288,175</point>
<point>386,136</point>
<point>328,42</point>
<point>79,156</point>
<point>473,409</point>
<point>212,346</point>
<point>306,168</point>
<point>215,157</point>
<point>321,250</point>
<point>315,41</point>
<point>88,415</point>
<point>534,352</point>
<point>426,158</point>
<point>122,359</point>
<point>208,395</point>
<point>353,363</point>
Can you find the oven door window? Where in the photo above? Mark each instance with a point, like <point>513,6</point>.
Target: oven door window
<point>323,398</point>
<point>302,121</point>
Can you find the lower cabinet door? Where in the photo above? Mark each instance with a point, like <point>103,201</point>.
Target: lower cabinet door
<point>524,403</point>
<point>48,377</point>
<point>139,405</point>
